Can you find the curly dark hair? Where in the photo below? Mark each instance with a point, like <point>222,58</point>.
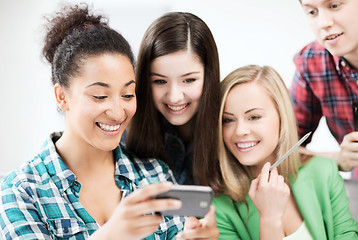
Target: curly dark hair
<point>73,34</point>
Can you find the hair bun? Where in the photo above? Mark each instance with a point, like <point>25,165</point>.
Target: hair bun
<point>64,22</point>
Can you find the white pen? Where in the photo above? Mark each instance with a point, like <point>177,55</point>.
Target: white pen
<point>290,151</point>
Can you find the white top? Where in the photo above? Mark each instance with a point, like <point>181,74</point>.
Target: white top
<point>302,233</point>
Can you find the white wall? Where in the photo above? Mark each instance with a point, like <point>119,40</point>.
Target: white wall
<point>246,32</point>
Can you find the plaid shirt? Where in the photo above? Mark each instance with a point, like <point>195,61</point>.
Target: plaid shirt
<point>323,85</point>
<point>40,200</point>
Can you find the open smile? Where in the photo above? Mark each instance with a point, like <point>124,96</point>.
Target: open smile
<point>332,36</point>
<point>177,108</point>
<point>107,127</point>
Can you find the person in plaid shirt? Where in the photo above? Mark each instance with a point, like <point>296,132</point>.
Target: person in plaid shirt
<point>82,184</point>
<point>326,78</point>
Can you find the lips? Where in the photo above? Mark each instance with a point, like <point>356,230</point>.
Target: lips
<point>332,36</point>
<point>177,108</point>
<point>107,127</point>
<point>246,145</point>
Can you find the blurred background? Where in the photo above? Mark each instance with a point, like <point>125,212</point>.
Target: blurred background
<point>246,32</point>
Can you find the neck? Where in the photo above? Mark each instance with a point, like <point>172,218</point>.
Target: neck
<point>185,131</point>
<point>353,60</point>
<point>81,157</point>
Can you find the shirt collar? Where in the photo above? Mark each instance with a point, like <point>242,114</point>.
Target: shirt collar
<point>56,168</point>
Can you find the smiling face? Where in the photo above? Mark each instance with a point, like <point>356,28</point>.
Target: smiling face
<point>100,101</point>
<point>334,24</point>
<point>177,81</point>
<point>251,125</point>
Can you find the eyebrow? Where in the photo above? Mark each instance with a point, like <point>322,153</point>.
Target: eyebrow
<point>102,84</point>
<point>248,111</point>
<point>184,75</point>
<point>129,83</point>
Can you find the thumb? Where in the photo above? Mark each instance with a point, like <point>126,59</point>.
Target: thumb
<point>253,187</point>
<point>191,223</point>
<point>210,218</point>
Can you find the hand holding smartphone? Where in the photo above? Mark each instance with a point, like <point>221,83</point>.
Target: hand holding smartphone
<point>196,200</point>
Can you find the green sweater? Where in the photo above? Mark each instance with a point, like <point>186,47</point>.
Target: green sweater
<point>321,198</point>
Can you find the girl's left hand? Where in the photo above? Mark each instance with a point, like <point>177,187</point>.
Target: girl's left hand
<point>205,228</point>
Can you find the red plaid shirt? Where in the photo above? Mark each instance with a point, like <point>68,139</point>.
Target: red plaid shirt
<point>323,85</point>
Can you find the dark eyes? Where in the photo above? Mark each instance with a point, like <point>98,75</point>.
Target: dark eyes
<point>189,80</point>
<point>254,117</point>
<point>128,96</point>
<point>100,97</point>
<point>227,120</point>
<point>159,81</point>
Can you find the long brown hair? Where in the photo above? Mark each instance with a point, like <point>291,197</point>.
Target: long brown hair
<point>170,33</point>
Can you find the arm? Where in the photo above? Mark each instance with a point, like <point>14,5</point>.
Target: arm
<point>19,217</point>
<point>345,227</point>
<point>270,195</point>
<point>346,158</point>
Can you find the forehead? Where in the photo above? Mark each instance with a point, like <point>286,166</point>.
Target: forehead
<point>245,95</point>
<point>112,67</point>
<point>177,62</point>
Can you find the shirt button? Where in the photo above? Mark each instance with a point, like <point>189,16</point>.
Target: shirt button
<point>344,64</point>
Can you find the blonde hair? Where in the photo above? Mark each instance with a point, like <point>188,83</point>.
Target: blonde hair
<point>237,177</point>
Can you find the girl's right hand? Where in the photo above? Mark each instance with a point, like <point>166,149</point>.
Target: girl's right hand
<point>132,219</point>
<point>270,194</point>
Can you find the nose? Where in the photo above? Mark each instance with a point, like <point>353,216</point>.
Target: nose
<point>116,109</point>
<point>325,19</point>
<point>175,93</point>
<point>242,128</point>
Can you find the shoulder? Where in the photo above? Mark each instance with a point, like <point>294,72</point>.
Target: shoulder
<point>313,57</point>
<point>311,50</point>
<point>223,203</point>
<point>318,168</point>
<point>33,171</point>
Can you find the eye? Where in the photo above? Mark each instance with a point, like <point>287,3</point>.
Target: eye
<point>100,97</point>
<point>255,117</point>
<point>227,120</point>
<point>335,5</point>
<point>312,12</point>
<point>159,81</point>
<point>189,80</point>
<point>128,96</point>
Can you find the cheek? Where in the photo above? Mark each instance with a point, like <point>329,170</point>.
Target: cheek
<point>195,92</point>
<point>157,94</point>
<point>227,132</point>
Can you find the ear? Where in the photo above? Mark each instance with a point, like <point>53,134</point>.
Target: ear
<point>60,96</point>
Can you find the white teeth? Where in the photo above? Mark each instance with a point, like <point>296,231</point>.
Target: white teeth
<point>177,108</point>
<point>108,127</point>
<point>333,36</point>
<point>246,145</point>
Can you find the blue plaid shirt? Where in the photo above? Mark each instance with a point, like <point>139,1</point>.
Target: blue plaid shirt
<point>40,200</point>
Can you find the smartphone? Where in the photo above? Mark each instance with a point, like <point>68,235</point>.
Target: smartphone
<point>196,200</point>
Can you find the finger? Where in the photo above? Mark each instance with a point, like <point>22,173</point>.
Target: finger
<point>253,187</point>
<point>152,220</point>
<point>265,174</point>
<point>351,137</point>
<point>273,177</point>
<point>191,223</point>
<point>156,205</point>
<point>148,192</point>
<point>210,218</point>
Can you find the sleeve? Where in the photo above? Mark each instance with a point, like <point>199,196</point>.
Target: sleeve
<point>345,227</point>
<point>224,222</point>
<point>306,105</point>
<point>19,218</point>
